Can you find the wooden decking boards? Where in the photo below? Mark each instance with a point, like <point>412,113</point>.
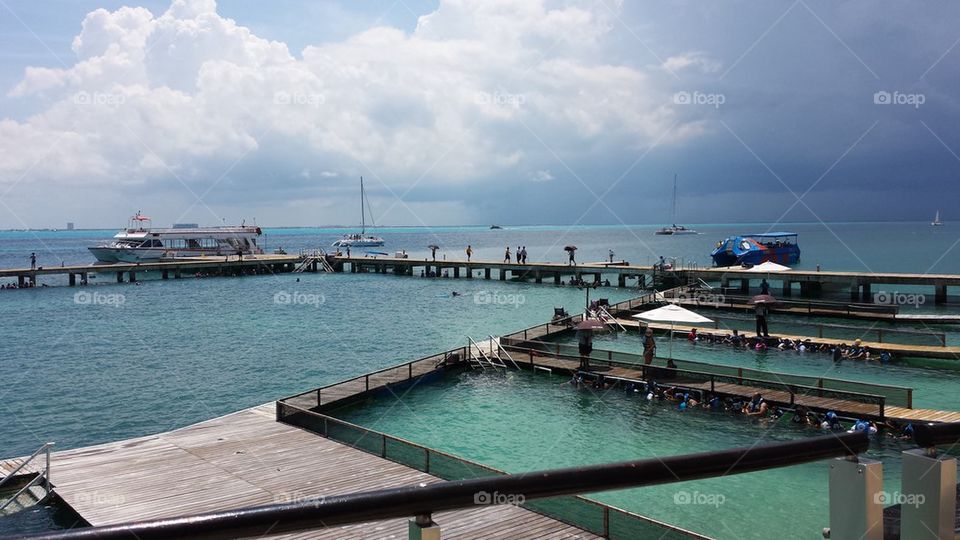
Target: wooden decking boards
<point>247,459</point>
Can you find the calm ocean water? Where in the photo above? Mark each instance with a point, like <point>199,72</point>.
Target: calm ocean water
<point>165,354</point>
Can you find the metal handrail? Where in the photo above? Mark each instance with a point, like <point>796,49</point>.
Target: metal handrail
<point>474,344</point>
<point>424,499</point>
<point>928,434</point>
<point>44,476</point>
<point>612,318</point>
<point>495,341</point>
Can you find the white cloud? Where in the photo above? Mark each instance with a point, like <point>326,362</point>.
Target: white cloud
<point>692,61</point>
<point>479,88</point>
<point>541,176</point>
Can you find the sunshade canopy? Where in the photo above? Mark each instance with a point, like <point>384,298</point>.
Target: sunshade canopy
<point>674,314</point>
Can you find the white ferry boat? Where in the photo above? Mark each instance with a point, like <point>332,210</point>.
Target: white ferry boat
<point>139,242</point>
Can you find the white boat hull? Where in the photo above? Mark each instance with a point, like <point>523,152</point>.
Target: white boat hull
<point>358,243</point>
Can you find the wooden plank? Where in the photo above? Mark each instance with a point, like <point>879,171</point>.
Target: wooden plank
<point>247,459</point>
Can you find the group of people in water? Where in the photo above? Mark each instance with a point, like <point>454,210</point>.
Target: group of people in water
<point>756,406</point>
<point>839,352</point>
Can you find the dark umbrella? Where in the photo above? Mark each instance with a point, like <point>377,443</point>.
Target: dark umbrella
<point>433,246</point>
<point>591,324</point>
<point>764,299</point>
<point>569,248</point>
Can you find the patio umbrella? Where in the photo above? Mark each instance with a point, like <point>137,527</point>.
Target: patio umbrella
<point>591,324</point>
<point>764,299</point>
<point>673,314</point>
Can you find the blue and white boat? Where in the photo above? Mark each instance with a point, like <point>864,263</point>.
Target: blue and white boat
<point>777,247</point>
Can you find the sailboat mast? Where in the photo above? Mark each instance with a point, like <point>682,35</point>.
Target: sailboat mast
<point>673,217</point>
<point>363,219</point>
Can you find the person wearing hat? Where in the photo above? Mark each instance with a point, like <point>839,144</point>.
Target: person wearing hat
<point>649,347</point>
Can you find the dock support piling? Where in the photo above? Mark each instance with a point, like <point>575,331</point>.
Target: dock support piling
<point>621,280</point>
<point>119,277</point>
<point>940,294</point>
<point>133,277</point>
<point>866,296</point>
<point>165,274</point>
<point>556,278</point>
<point>538,277</point>
<point>787,287</point>
<point>486,273</point>
<point>931,480</point>
<point>456,271</point>
<point>745,285</point>
<point>503,274</point>
<point>73,279</point>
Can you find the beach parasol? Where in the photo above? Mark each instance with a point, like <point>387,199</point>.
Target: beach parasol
<point>591,324</point>
<point>764,299</point>
<point>673,314</point>
<point>569,248</point>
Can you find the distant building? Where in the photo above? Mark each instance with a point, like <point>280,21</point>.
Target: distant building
<point>69,225</point>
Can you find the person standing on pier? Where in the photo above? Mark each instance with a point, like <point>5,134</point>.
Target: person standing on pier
<point>433,252</point>
<point>762,311</point>
<point>573,260</point>
<point>611,255</point>
<point>519,253</point>
<point>33,261</point>
<point>585,339</point>
<point>506,256</point>
<point>649,347</point>
<point>469,252</point>
<point>523,255</point>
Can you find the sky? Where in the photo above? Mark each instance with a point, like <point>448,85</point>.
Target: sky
<point>477,111</point>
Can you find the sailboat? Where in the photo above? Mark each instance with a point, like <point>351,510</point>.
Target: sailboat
<point>675,229</point>
<point>936,220</point>
<point>362,239</point>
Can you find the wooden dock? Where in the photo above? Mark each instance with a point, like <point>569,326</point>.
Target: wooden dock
<point>810,282</point>
<point>176,269</point>
<point>949,352</point>
<point>247,459</point>
<point>843,407</point>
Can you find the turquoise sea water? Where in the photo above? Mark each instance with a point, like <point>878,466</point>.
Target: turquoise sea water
<point>175,352</point>
<point>558,425</point>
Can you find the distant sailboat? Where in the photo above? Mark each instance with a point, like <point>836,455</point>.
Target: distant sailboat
<point>936,220</point>
<point>675,229</point>
<point>362,239</point>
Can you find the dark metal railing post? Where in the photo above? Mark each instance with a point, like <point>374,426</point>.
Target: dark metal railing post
<point>426,460</point>
<point>366,381</point>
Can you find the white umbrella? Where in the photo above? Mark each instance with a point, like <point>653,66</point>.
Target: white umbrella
<point>673,314</point>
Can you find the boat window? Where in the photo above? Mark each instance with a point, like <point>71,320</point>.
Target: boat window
<point>193,243</point>
<point>157,243</point>
<point>745,245</point>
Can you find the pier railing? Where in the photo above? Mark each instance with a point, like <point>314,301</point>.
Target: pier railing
<point>790,394</point>
<point>808,306</point>
<point>587,514</point>
<point>345,390</point>
<point>895,395</point>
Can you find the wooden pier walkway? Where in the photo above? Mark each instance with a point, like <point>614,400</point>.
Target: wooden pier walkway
<point>843,407</point>
<point>167,269</point>
<point>248,458</point>
<point>949,352</point>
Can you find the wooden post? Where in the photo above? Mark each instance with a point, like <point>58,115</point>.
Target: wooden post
<point>867,297</point>
<point>486,273</point>
<point>165,274</point>
<point>73,279</point>
<point>621,280</point>
<point>556,278</point>
<point>503,274</point>
<point>787,287</point>
<point>177,273</point>
<point>854,292</point>
<point>133,277</point>
<point>940,294</point>
<point>537,276</point>
<point>745,285</point>
<point>456,271</point>
<point>119,277</point>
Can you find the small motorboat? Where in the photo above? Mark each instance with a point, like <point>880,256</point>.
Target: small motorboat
<point>752,249</point>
